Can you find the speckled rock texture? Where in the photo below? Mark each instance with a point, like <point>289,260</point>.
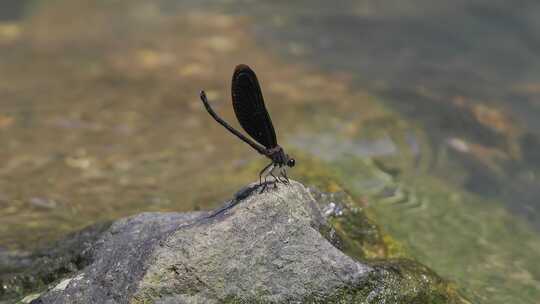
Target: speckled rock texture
<point>259,247</point>
<point>118,260</point>
<point>270,247</point>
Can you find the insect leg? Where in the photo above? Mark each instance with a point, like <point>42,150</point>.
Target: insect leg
<point>264,187</point>
<point>284,174</point>
<point>282,179</point>
<point>276,180</point>
<point>264,172</point>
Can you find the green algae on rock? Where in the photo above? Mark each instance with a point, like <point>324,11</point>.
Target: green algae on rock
<point>442,226</point>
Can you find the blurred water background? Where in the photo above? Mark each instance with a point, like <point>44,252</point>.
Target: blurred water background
<point>428,111</point>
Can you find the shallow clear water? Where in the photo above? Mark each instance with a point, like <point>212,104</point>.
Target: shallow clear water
<point>428,112</point>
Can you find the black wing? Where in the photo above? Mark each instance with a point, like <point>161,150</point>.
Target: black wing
<point>249,107</point>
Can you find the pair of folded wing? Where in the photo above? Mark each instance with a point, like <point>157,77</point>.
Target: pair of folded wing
<point>248,104</point>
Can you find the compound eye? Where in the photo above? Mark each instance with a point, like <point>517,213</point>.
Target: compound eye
<point>291,162</point>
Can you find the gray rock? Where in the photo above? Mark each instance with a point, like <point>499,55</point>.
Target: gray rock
<point>22,273</point>
<point>119,259</point>
<point>258,248</point>
<point>274,247</point>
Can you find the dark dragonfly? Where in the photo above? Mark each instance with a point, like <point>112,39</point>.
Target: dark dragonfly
<point>248,104</point>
